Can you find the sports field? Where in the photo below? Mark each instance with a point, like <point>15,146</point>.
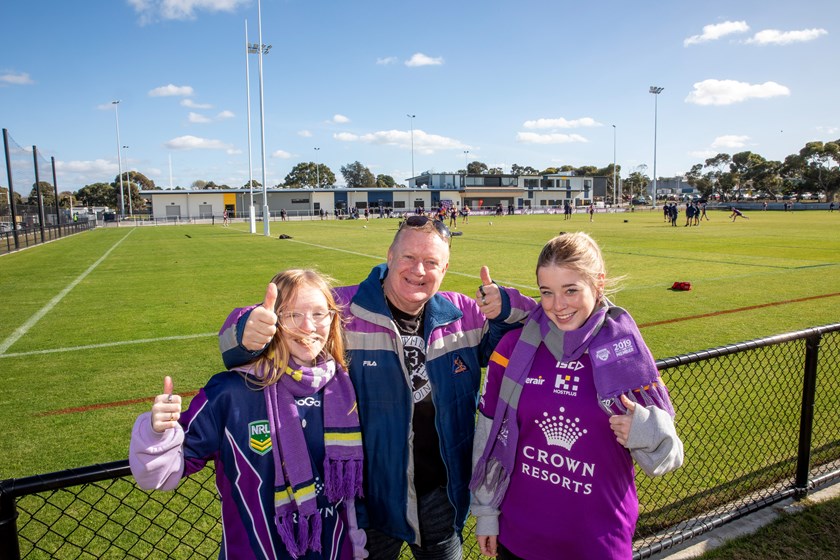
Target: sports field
<point>89,325</point>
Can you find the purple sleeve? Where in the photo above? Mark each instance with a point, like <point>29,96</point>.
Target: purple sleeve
<point>156,460</point>
<point>230,339</point>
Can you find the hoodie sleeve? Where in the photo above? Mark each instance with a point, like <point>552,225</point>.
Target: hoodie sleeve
<point>653,441</point>
<point>156,460</point>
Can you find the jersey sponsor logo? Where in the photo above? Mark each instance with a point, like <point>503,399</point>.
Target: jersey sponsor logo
<point>308,401</point>
<point>535,380</point>
<point>560,430</point>
<point>566,384</point>
<point>573,365</point>
<point>259,437</point>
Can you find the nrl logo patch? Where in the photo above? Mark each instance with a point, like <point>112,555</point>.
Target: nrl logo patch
<point>602,354</point>
<point>259,437</point>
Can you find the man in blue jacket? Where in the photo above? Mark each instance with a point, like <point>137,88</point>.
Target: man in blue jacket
<point>415,358</point>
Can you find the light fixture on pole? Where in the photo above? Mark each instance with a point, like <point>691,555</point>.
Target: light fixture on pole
<point>615,185</point>
<point>466,166</point>
<point>116,105</point>
<point>655,90</point>
<point>252,220</point>
<point>317,170</point>
<point>262,49</point>
<point>128,186</point>
<point>411,120</point>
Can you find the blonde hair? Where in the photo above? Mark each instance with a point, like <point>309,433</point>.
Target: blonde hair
<point>272,364</point>
<point>579,252</point>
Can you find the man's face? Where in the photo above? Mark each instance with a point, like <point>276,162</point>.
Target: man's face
<point>417,263</point>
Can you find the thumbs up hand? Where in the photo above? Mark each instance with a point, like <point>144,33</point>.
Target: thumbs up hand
<point>620,423</point>
<point>488,297</point>
<point>262,322</point>
<point>167,408</point>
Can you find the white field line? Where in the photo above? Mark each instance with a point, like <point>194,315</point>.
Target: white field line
<point>41,313</point>
<point>106,345</point>
<point>23,329</point>
<point>380,259</point>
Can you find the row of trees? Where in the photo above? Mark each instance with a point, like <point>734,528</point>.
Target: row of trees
<point>816,169</point>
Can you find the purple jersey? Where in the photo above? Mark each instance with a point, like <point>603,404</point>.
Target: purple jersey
<point>572,492</point>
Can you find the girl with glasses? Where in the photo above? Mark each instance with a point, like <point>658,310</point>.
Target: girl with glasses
<point>283,432</point>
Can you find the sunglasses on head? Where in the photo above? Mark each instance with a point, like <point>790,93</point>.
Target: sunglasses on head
<point>420,221</point>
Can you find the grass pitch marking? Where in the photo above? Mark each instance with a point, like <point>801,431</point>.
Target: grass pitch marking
<point>23,329</point>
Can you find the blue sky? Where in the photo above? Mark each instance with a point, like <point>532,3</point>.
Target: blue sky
<point>537,83</point>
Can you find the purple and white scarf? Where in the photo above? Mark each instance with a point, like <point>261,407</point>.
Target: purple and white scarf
<point>622,364</point>
<point>294,481</point>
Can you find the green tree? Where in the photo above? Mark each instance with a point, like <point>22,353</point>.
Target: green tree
<point>357,176</point>
<point>385,181</point>
<point>47,194</point>
<point>199,185</point>
<point>821,162</point>
<point>97,194</point>
<point>309,174</point>
<point>476,168</point>
<point>549,171</point>
<point>4,200</point>
<point>517,169</point>
<point>256,185</point>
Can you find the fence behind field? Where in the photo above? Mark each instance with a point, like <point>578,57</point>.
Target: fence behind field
<point>775,400</point>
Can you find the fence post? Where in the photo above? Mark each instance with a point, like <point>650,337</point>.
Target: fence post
<point>806,417</point>
<point>9,548</point>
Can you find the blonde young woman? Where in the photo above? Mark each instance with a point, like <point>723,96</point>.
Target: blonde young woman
<point>570,401</point>
<point>282,431</point>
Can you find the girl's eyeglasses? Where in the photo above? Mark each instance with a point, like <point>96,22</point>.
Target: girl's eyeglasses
<point>298,320</point>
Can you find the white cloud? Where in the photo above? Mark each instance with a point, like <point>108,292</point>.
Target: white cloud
<point>190,104</point>
<point>195,143</point>
<point>715,31</point>
<point>16,79</point>
<point>727,92</point>
<point>171,90</point>
<point>152,10</point>
<point>386,60</point>
<point>420,59</point>
<point>304,134</point>
<point>552,138</point>
<point>424,143</point>
<point>703,154</point>
<point>776,37</point>
<point>233,151</point>
<point>225,115</point>
<point>196,118</point>
<point>97,166</point>
<point>281,154</point>
<point>729,141</point>
<point>828,129</point>
<point>338,119</point>
<point>561,123</point>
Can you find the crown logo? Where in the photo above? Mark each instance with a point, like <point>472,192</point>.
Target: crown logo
<point>560,430</point>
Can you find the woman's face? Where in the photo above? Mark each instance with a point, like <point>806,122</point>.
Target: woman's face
<point>305,322</point>
<point>567,297</point>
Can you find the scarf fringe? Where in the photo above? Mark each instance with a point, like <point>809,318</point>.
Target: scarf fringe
<point>343,479</point>
<point>491,477</point>
<point>655,394</point>
<point>308,533</point>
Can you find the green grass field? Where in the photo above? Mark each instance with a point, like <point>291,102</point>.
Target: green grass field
<point>89,325</point>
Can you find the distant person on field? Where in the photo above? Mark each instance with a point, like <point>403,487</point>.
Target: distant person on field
<point>283,432</point>
<point>225,218</point>
<point>591,212</point>
<point>703,212</point>
<point>571,400</point>
<point>453,217</point>
<point>737,214</point>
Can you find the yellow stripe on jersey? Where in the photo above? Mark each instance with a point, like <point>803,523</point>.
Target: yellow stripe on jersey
<point>499,359</point>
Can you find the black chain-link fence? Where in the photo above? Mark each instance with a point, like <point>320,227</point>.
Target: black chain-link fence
<point>758,419</point>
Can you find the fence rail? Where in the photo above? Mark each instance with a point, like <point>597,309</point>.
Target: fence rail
<point>774,401</point>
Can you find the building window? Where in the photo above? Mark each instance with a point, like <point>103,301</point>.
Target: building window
<point>532,183</point>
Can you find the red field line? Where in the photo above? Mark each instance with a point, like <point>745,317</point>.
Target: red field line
<point>738,310</point>
<point>656,323</point>
<point>88,407</point>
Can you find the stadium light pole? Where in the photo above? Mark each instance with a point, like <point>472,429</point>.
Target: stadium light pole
<point>411,120</point>
<point>317,171</point>
<point>252,220</point>
<point>615,185</point>
<point>116,105</point>
<point>262,49</point>
<point>128,187</point>
<point>655,90</point>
